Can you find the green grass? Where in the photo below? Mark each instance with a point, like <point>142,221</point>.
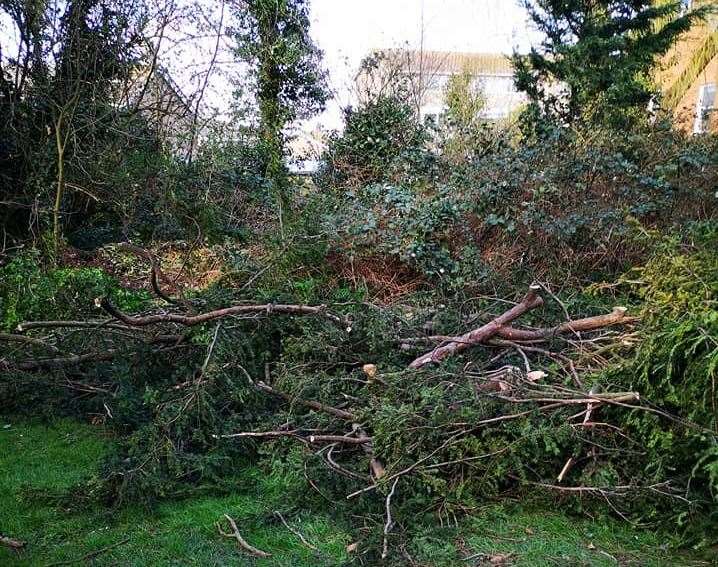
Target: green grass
<point>39,463</point>
<point>36,459</point>
<point>537,538</point>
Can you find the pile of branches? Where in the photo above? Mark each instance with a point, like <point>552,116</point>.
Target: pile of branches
<point>445,426</point>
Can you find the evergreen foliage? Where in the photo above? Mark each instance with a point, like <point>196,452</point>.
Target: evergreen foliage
<point>595,59</point>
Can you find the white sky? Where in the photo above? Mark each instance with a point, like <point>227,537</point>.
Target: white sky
<point>346,31</point>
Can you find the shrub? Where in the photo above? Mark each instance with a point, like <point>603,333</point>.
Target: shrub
<point>378,139</point>
<point>29,292</point>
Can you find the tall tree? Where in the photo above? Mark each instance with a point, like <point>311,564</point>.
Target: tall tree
<point>596,56</point>
<point>272,36</point>
<point>58,86</point>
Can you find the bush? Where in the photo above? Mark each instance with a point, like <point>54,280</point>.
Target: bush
<point>675,367</point>
<point>29,291</point>
<point>380,139</point>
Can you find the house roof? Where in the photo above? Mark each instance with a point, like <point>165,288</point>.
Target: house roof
<point>452,63</point>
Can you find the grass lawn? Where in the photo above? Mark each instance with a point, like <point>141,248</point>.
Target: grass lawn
<point>37,461</point>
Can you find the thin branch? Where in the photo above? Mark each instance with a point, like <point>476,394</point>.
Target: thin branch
<point>191,320</point>
<point>240,540</point>
<point>389,522</point>
<point>295,532</point>
<point>29,340</point>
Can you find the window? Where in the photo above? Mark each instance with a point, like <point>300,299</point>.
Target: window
<point>705,104</point>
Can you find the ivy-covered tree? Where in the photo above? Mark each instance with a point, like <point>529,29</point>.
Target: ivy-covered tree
<point>272,37</point>
<point>595,59</point>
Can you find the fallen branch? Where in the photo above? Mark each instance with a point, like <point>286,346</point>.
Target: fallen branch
<point>240,540</point>
<point>11,542</point>
<point>295,532</point>
<point>311,439</point>
<point>96,324</point>
<point>317,406</point>
<point>156,271</point>
<point>29,340</point>
<point>191,320</point>
<point>477,336</point>
<point>615,317</point>
<point>60,361</point>
<point>389,522</point>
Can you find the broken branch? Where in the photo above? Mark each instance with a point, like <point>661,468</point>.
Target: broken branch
<point>531,300</point>
<point>240,540</point>
<point>191,320</point>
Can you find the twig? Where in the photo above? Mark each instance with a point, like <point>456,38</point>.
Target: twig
<point>389,522</point>
<point>565,469</point>
<point>318,406</point>
<point>209,350</point>
<point>312,438</point>
<point>11,542</point>
<point>240,540</point>
<point>295,532</point>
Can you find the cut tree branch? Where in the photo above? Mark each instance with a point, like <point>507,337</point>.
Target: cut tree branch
<point>191,320</point>
<point>615,317</point>
<point>531,300</point>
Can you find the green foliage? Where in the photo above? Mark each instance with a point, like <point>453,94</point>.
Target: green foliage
<point>380,139</point>
<point>61,120</point>
<point>462,122</point>
<point>676,364</point>
<point>273,38</point>
<point>30,292</point>
<point>397,221</point>
<point>601,54</point>
<point>515,210</point>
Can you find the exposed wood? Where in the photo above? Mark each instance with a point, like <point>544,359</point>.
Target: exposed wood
<point>11,542</point>
<point>530,301</point>
<point>615,317</point>
<point>240,540</point>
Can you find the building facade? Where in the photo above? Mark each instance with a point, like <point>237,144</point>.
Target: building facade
<point>688,75</point>
<point>424,76</point>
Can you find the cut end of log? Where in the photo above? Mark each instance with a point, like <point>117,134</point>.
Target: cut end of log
<point>620,311</point>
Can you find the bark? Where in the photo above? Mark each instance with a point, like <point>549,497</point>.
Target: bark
<point>617,316</point>
<point>531,300</point>
<point>317,406</point>
<point>191,320</point>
